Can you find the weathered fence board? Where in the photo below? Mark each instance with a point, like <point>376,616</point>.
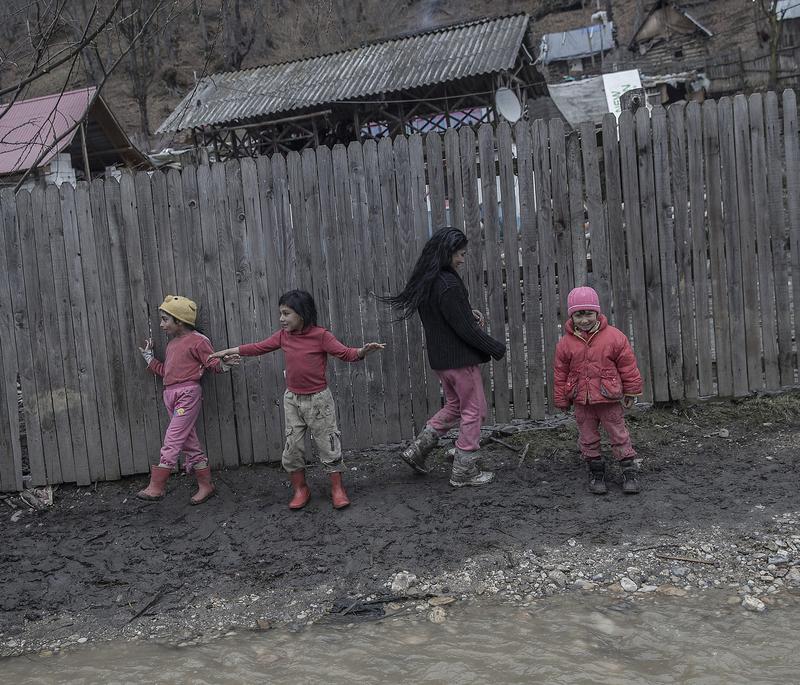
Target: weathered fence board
<point>693,247</point>
<point>747,240</point>
<point>10,444</point>
<point>684,296</point>
<point>532,294</point>
<point>494,271</point>
<point>48,359</point>
<point>733,247</point>
<point>777,233</point>
<point>422,231</point>
<point>637,288</point>
<point>766,282</point>
<point>518,378</point>
<point>268,274</point>
<point>91,447</point>
<point>716,244</point>
<point>600,278</point>
<point>394,282</point>
<point>619,313</point>
<point>792,175</point>
<point>551,314</point>
<point>651,258</point>
<point>559,194</point>
<point>665,208</point>
<point>699,249</point>
<point>195,262</point>
<point>221,452</point>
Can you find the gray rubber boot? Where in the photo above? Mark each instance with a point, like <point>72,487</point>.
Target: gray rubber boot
<point>597,477</point>
<point>630,476</point>
<point>466,470</point>
<point>414,455</point>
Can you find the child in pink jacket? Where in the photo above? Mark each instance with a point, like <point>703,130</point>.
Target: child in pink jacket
<point>595,369</point>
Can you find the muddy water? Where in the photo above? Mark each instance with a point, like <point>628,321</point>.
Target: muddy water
<point>594,639</point>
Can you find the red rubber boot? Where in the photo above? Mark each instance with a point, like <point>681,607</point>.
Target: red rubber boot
<point>301,492</point>
<point>338,495</point>
<point>158,484</point>
<point>205,488</point>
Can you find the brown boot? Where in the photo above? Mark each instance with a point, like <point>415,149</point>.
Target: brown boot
<point>205,488</point>
<point>301,492</point>
<point>338,495</point>
<point>158,484</point>
<point>414,455</point>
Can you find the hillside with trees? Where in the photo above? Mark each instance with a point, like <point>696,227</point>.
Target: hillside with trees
<point>147,54</point>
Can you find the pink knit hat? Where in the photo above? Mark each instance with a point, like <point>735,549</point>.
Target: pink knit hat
<point>583,299</point>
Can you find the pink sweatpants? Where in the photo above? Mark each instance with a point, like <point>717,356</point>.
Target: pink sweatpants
<point>183,402</point>
<point>612,416</point>
<point>464,401</point>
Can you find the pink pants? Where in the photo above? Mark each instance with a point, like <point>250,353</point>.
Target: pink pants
<point>464,401</point>
<point>183,402</point>
<point>612,416</point>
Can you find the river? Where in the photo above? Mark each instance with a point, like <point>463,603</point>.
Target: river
<point>594,638</point>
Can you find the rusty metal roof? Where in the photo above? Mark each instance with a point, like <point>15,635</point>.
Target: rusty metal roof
<point>436,56</point>
<point>29,127</point>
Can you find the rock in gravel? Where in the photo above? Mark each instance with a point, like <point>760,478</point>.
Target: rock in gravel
<point>753,603</point>
<point>583,584</point>
<point>778,560</point>
<point>679,571</point>
<point>437,615</point>
<point>628,585</point>
<point>441,600</point>
<point>671,591</point>
<point>402,581</point>
<point>558,578</point>
<point>793,576</point>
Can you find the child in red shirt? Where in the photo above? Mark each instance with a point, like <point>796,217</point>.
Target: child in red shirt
<point>307,402</point>
<point>185,360</point>
<point>595,369</point>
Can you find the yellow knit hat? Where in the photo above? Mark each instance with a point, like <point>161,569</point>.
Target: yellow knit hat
<point>180,308</point>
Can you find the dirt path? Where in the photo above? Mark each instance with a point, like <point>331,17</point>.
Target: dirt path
<point>99,564</point>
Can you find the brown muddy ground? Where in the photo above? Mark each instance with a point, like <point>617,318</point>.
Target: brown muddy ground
<point>100,564</point>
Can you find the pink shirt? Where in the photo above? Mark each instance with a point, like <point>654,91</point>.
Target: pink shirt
<point>185,359</point>
<point>306,354</point>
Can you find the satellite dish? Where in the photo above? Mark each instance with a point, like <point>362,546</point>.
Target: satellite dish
<point>507,104</point>
<point>632,100</point>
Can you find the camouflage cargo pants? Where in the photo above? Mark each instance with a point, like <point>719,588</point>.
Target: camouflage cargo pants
<point>315,413</point>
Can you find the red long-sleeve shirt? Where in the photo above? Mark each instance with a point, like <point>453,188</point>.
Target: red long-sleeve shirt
<point>185,359</point>
<point>306,356</point>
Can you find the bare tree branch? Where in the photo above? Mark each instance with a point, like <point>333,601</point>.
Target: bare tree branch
<point>97,92</point>
<point>75,50</point>
<point>39,50</point>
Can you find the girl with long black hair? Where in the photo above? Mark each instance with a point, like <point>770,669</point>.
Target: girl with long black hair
<point>456,346</point>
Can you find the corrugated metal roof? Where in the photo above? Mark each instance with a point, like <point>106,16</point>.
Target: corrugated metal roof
<point>787,9</point>
<point>436,56</point>
<point>30,126</point>
<point>576,43</point>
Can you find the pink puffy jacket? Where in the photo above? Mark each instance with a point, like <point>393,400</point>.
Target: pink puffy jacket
<point>600,368</point>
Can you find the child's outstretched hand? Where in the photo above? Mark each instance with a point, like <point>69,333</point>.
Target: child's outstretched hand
<point>369,348</point>
<point>628,401</point>
<point>229,356</point>
<point>147,351</point>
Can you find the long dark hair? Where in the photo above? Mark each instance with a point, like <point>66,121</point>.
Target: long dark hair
<point>302,302</point>
<point>436,256</point>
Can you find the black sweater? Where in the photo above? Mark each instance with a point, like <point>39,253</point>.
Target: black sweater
<point>454,339</point>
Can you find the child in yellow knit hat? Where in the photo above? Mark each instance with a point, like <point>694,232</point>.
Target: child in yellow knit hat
<point>185,360</point>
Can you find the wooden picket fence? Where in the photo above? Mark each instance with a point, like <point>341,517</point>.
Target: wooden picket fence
<point>686,221</point>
